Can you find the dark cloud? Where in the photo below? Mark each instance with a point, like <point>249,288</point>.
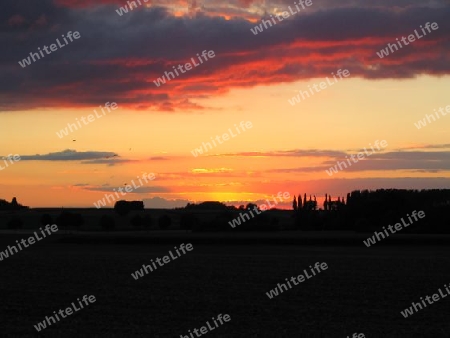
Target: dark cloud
<point>289,153</point>
<point>159,158</point>
<point>118,57</point>
<point>162,203</point>
<point>432,162</point>
<point>68,155</point>
<point>414,159</point>
<point>431,146</point>
<point>139,190</point>
<point>110,161</point>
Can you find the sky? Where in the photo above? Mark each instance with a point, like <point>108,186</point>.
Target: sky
<point>251,81</point>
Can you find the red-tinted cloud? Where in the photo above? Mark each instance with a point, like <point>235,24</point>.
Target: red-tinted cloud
<point>117,57</point>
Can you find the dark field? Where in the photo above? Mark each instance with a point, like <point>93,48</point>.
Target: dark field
<point>363,290</point>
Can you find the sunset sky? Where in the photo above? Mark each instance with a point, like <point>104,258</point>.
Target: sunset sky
<point>251,78</point>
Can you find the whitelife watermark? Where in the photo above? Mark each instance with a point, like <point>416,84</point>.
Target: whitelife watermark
<point>90,118</point>
<point>259,28</point>
<point>188,66</point>
<point>204,329</point>
<point>53,48</point>
<point>68,311</point>
<point>417,306</point>
<point>166,259</point>
<point>300,278</point>
<point>323,85</point>
<point>225,137</point>
<point>411,38</point>
<point>371,240</point>
<point>423,123</point>
<point>11,158</point>
<point>146,177</point>
<point>357,335</point>
<point>122,10</point>
<point>258,210</point>
<point>31,240</point>
<point>360,155</point>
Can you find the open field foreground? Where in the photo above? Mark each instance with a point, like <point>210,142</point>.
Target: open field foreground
<point>363,289</point>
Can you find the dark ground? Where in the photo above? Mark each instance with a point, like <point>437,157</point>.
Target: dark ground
<point>363,290</point>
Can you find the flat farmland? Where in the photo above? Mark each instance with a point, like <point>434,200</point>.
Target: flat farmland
<point>363,290</point>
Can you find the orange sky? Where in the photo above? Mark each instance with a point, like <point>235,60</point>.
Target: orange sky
<point>155,128</point>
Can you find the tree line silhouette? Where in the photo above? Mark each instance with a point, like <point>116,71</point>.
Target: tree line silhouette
<point>361,210</point>
<point>366,210</point>
<point>11,206</point>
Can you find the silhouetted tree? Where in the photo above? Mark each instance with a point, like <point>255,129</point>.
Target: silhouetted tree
<point>15,223</point>
<point>250,206</point>
<point>107,222</point>
<point>136,221</point>
<point>164,222</point>
<point>147,221</point>
<point>69,219</point>
<point>121,208</point>
<point>124,207</point>
<point>364,210</point>
<point>221,221</point>
<point>294,204</point>
<point>5,205</point>
<point>208,205</point>
<point>187,221</point>
<point>46,219</point>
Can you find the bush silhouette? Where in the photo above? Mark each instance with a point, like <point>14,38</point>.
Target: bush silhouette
<point>164,222</point>
<point>46,219</point>
<point>15,223</point>
<point>124,207</point>
<point>187,221</point>
<point>69,219</point>
<point>107,222</point>
<point>147,221</point>
<point>13,205</point>
<point>136,221</point>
